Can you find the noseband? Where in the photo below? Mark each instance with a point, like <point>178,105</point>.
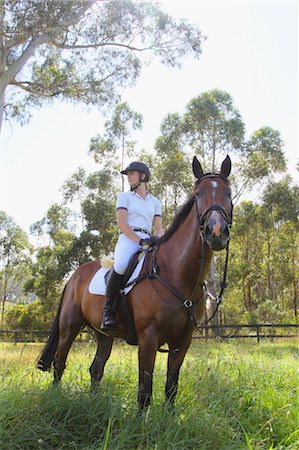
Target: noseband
<point>202,217</point>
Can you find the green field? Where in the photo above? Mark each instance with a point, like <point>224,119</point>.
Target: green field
<point>231,396</point>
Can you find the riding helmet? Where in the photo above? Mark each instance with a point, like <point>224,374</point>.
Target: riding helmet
<point>140,167</point>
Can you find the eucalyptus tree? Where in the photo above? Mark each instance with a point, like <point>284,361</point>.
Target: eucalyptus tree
<point>115,139</point>
<point>171,177</point>
<point>99,211</point>
<point>280,228</point>
<point>15,255</point>
<point>262,156</point>
<point>246,269</point>
<point>264,268</point>
<point>213,127</point>
<point>83,50</point>
<point>74,191</point>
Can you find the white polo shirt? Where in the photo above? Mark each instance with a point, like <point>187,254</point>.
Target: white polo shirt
<point>141,211</point>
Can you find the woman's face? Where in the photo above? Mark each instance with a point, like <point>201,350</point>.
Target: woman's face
<point>133,177</point>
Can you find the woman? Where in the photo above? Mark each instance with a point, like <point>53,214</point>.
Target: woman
<point>137,212</point>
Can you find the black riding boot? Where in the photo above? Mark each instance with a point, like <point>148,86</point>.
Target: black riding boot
<point>109,322</point>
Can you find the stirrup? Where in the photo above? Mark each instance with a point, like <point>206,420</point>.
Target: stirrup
<point>107,332</point>
<point>110,328</point>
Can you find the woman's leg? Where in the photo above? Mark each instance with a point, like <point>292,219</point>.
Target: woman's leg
<point>124,249</point>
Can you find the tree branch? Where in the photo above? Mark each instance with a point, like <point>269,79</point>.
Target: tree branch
<point>40,39</point>
<point>12,71</point>
<point>104,44</point>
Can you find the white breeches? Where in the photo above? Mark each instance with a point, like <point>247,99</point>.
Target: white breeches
<point>124,249</point>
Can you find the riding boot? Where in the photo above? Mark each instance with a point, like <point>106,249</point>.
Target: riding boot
<point>109,322</point>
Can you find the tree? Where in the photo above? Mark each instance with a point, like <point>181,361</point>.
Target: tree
<point>262,156</point>
<point>74,190</point>
<point>57,219</point>
<point>264,255</point>
<point>82,50</point>
<point>280,225</point>
<point>63,250</point>
<point>172,178</point>
<point>96,193</point>
<point>15,251</point>
<point>25,317</point>
<point>245,269</point>
<point>213,126</point>
<point>117,130</point>
<point>49,267</point>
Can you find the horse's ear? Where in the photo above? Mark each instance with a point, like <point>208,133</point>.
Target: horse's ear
<point>197,169</point>
<point>226,167</point>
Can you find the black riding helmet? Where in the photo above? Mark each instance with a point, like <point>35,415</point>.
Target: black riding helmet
<point>140,167</point>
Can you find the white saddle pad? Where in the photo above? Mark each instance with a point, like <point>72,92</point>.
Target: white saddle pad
<point>97,284</point>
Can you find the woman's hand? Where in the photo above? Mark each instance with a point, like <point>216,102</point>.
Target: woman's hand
<point>149,242</point>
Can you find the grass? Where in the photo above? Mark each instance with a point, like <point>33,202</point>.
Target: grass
<point>231,396</point>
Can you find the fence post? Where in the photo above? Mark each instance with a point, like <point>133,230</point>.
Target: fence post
<point>258,334</point>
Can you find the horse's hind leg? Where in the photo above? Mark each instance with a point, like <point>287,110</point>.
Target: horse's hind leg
<point>70,323</point>
<point>104,347</point>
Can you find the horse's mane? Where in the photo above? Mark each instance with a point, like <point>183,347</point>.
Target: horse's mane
<point>179,218</point>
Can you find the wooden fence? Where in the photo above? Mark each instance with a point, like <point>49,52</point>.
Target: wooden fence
<point>254,331</point>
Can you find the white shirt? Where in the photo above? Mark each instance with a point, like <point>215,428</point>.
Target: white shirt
<point>141,211</point>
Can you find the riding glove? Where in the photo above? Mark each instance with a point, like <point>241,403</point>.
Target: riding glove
<point>149,242</point>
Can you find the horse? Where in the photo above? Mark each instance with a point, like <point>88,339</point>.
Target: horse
<point>166,304</point>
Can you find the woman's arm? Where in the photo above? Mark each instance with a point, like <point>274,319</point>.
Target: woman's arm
<point>158,229</point>
<point>121,217</point>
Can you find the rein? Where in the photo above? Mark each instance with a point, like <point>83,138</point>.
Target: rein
<point>189,303</point>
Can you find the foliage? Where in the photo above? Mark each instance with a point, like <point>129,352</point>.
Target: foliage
<point>105,148</point>
<point>25,317</point>
<point>83,50</point>
<point>231,396</point>
<point>15,252</point>
<point>264,154</point>
<point>213,126</point>
<point>263,269</point>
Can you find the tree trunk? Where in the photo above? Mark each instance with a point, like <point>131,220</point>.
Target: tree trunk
<point>2,63</point>
<point>122,163</point>
<point>2,98</point>
<point>295,287</point>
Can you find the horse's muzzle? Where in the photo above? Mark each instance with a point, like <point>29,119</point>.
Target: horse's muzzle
<point>216,232</point>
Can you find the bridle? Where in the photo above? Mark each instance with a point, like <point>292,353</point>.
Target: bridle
<point>202,216</point>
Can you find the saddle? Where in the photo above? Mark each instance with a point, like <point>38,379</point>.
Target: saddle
<point>134,260</point>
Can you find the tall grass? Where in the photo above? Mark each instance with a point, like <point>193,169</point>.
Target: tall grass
<point>231,396</point>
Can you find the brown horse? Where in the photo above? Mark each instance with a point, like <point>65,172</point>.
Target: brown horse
<point>166,304</point>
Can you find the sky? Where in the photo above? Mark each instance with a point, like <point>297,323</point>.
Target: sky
<point>251,51</point>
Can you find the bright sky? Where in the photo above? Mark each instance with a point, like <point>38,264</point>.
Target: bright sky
<point>251,52</point>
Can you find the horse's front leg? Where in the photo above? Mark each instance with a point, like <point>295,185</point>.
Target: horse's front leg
<point>147,349</point>
<point>175,360</point>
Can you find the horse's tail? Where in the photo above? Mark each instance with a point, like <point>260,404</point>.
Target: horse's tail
<point>46,358</point>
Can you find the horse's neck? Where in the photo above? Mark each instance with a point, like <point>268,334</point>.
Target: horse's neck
<point>188,258</point>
